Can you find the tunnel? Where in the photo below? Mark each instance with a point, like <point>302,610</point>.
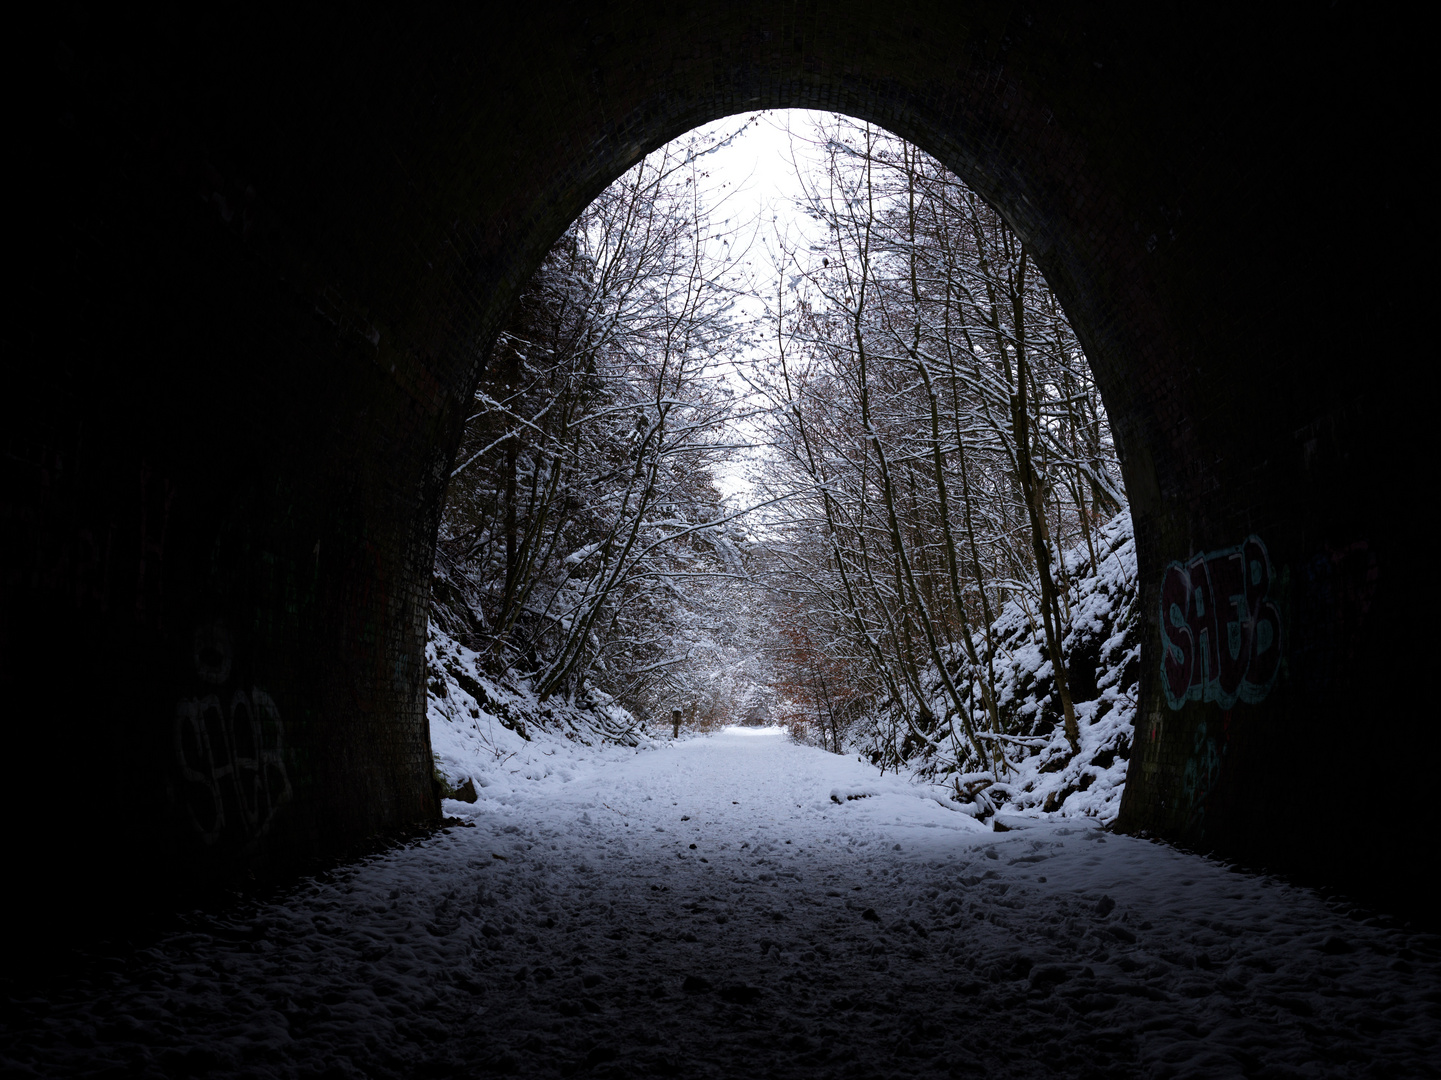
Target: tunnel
<point>257,262</point>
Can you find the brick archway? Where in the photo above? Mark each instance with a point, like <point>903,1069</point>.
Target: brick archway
<point>264,263</point>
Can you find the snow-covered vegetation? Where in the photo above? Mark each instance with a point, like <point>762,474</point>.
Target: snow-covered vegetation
<point>931,564</point>
<point>1028,766</point>
<point>483,728</point>
<point>584,537</point>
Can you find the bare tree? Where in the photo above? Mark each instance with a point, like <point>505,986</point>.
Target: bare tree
<point>933,413</point>
<point>583,499</point>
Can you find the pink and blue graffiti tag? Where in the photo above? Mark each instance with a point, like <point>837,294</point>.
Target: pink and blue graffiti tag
<point>1220,630</point>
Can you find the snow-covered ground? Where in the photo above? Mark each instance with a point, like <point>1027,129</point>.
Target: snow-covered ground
<point>738,905</point>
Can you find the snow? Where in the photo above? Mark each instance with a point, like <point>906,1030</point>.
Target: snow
<point>477,721</point>
<point>740,905</point>
<point>1041,777</point>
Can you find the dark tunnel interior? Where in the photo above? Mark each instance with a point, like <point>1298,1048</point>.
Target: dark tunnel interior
<point>257,264</point>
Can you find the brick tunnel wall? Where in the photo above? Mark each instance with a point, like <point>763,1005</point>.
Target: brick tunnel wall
<point>263,263</point>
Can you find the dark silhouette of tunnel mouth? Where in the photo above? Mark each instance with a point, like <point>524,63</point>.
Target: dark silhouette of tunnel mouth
<point>248,367</point>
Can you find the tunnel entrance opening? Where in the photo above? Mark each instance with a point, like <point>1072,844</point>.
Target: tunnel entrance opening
<point>923,516</point>
<point>240,380</point>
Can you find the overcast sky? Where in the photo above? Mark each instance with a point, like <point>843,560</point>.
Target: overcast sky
<point>752,185</point>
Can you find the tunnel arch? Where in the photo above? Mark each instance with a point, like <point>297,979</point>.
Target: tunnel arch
<point>241,362</point>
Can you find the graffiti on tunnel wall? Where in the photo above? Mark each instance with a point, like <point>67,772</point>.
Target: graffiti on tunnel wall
<point>1220,628</point>
<point>229,750</point>
<point>1203,768</point>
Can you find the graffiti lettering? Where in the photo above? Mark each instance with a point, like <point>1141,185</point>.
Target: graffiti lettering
<point>1203,769</point>
<point>229,751</point>
<point>1220,630</point>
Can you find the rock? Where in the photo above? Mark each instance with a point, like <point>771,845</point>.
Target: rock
<point>1013,822</point>
<point>694,984</point>
<point>466,791</point>
<point>1056,799</point>
<point>1104,906</point>
<point>870,915</point>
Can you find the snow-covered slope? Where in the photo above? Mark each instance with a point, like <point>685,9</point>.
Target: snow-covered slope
<point>481,726</point>
<point>1040,776</point>
<point>484,728</point>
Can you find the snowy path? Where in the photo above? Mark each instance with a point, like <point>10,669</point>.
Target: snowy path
<point>708,909</point>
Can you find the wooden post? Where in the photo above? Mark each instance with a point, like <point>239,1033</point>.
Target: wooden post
<point>675,723</point>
